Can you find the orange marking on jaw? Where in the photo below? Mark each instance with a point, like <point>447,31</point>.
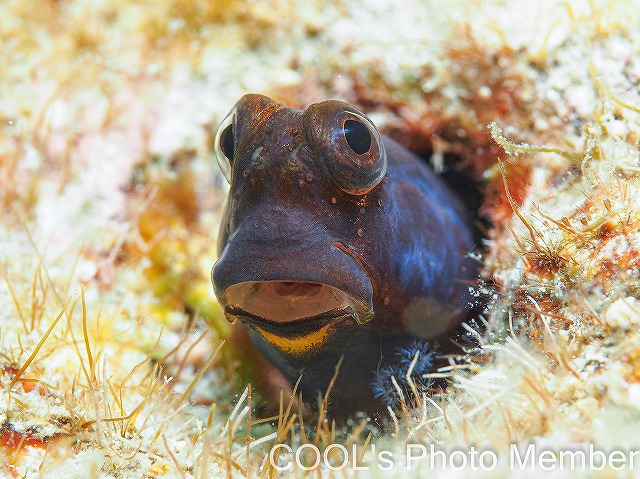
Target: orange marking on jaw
<point>300,345</point>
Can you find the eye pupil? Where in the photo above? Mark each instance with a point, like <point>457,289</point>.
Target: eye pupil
<point>227,142</point>
<point>358,136</point>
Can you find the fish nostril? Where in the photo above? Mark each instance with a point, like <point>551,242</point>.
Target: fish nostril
<point>294,288</point>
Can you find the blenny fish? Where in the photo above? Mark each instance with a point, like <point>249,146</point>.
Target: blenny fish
<point>337,244</point>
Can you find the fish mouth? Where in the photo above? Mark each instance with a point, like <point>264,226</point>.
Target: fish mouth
<point>294,288</point>
<point>295,317</point>
<point>292,308</point>
<point>299,328</point>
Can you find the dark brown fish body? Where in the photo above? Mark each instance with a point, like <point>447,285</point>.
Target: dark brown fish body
<point>335,243</point>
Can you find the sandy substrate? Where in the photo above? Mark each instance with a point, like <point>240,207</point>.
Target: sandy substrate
<point>111,355</point>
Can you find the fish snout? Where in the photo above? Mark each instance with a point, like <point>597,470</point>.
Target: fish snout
<point>288,286</point>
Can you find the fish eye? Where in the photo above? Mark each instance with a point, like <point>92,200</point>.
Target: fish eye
<point>225,145</point>
<point>358,136</point>
<point>227,142</point>
<point>347,144</point>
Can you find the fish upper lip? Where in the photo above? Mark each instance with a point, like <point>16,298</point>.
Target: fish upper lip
<point>249,257</point>
<point>293,329</point>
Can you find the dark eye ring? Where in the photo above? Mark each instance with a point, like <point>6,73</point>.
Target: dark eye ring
<point>224,145</point>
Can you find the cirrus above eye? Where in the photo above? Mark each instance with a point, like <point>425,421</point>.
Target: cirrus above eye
<point>225,145</point>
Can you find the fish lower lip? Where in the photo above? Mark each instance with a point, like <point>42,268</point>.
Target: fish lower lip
<point>293,329</point>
